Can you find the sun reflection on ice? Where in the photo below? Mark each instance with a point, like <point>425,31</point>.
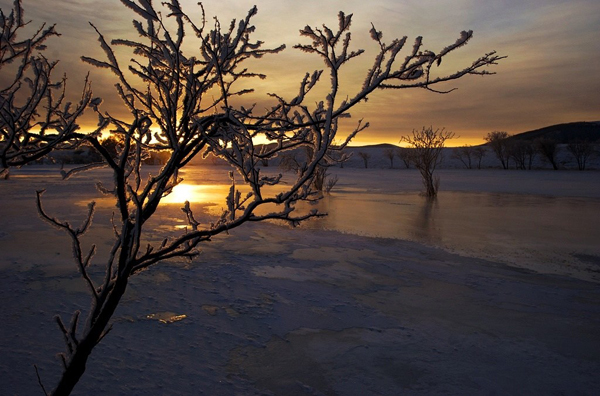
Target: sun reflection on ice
<point>201,193</point>
<point>181,193</point>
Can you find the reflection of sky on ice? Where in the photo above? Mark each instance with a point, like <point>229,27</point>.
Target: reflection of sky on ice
<point>484,217</point>
<point>539,232</point>
<point>542,232</point>
<point>522,218</point>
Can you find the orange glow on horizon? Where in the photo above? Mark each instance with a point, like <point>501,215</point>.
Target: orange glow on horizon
<point>530,90</point>
<point>365,139</point>
<point>457,142</point>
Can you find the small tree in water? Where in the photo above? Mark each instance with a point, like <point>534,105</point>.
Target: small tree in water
<point>427,145</point>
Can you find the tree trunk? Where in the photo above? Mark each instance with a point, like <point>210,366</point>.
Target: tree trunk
<point>430,190</point>
<point>76,364</point>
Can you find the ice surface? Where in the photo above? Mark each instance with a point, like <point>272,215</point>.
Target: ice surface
<point>363,302</point>
<point>542,233</point>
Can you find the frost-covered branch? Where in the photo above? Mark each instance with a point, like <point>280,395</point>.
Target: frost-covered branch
<point>181,104</point>
<point>35,117</point>
<point>75,234</point>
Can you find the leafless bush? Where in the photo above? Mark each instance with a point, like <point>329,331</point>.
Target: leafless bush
<point>582,151</point>
<point>294,161</point>
<point>465,155</point>
<point>549,150</point>
<point>365,157</point>
<point>427,145</point>
<point>330,183</point>
<point>320,178</point>
<point>479,153</point>
<point>498,141</point>
<point>469,156</point>
<point>390,154</point>
<point>522,152</point>
<point>405,154</point>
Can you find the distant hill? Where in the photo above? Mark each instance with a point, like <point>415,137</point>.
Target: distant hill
<point>561,133</point>
<point>377,146</point>
<point>564,133</point>
<point>377,156</point>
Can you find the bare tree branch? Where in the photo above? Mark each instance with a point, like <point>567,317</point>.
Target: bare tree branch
<point>182,105</point>
<point>44,121</point>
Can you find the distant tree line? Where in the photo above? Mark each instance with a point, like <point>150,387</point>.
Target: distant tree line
<point>512,152</point>
<point>85,153</point>
<point>469,156</point>
<point>522,152</point>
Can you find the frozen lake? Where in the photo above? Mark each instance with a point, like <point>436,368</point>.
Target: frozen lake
<point>359,310</point>
<point>553,234</point>
<point>547,221</point>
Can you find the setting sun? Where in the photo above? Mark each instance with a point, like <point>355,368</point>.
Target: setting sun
<point>183,192</point>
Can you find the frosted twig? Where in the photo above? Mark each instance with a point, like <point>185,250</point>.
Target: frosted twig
<point>37,373</point>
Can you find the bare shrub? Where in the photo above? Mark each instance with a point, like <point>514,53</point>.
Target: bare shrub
<point>498,141</point>
<point>469,156</point>
<point>522,152</point>
<point>405,155</point>
<point>549,150</point>
<point>331,182</point>
<point>365,157</point>
<point>427,145</point>
<point>582,151</point>
<point>465,155</point>
<point>294,161</point>
<point>390,153</point>
<point>479,152</point>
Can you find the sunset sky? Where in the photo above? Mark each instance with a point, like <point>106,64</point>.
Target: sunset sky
<point>551,75</point>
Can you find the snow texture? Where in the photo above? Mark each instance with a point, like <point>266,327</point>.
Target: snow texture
<point>492,289</point>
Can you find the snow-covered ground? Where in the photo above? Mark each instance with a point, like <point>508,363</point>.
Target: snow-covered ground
<point>491,289</point>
